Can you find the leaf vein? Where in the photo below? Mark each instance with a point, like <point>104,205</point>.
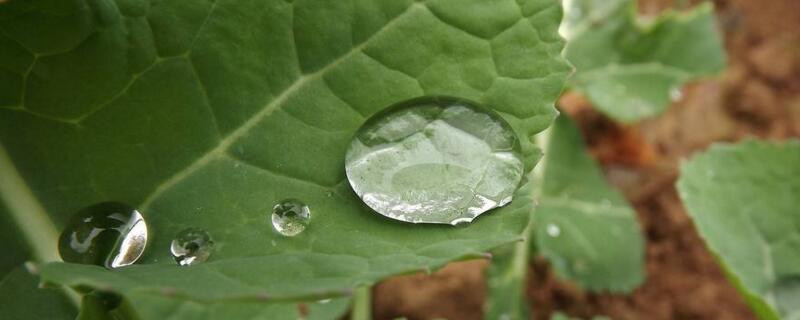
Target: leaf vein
<point>267,110</point>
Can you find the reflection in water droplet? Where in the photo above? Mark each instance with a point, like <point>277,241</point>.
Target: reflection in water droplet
<point>435,160</point>
<point>324,301</point>
<point>290,217</point>
<point>191,246</point>
<point>109,234</point>
<point>553,230</point>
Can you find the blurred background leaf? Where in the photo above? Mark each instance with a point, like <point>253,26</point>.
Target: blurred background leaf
<point>583,226</point>
<point>632,67</point>
<point>744,201</point>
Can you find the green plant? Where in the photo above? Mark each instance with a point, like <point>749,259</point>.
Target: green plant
<point>744,200</point>
<point>206,114</point>
<point>631,67</point>
<point>628,69</point>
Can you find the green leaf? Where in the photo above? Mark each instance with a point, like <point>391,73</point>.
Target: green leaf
<point>744,201</point>
<point>584,227</point>
<point>150,306</point>
<point>632,70</point>
<point>104,306</point>
<point>205,114</point>
<point>21,299</point>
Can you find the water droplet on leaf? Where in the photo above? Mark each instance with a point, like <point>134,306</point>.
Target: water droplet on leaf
<point>290,217</point>
<point>553,230</point>
<point>191,246</point>
<point>435,160</point>
<point>675,94</point>
<point>109,234</point>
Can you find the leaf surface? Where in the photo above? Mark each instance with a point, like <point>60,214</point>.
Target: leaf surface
<point>630,69</point>
<point>22,299</point>
<point>205,114</point>
<point>744,201</point>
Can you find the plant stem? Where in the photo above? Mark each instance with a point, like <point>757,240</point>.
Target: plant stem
<point>362,304</point>
<point>35,225</point>
<point>522,248</point>
<point>25,210</point>
<point>509,269</point>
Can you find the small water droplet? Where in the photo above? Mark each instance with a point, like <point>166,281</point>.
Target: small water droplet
<point>324,301</point>
<point>290,217</point>
<point>191,246</point>
<point>109,234</point>
<point>553,230</point>
<point>435,160</point>
<point>675,94</point>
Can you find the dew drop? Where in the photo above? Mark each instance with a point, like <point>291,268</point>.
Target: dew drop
<point>290,217</point>
<point>675,94</point>
<point>553,230</point>
<point>435,160</point>
<point>191,246</point>
<point>109,234</point>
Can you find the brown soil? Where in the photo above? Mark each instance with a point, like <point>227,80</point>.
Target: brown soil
<point>758,96</point>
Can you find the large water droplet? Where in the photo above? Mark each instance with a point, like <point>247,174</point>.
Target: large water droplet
<point>109,234</point>
<point>435,160</point>
<point>290,217</point>
<point>191,246</point>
